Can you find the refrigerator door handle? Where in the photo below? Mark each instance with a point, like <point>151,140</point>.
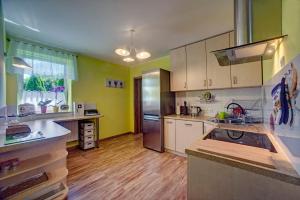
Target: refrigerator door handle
<point>152,117</point>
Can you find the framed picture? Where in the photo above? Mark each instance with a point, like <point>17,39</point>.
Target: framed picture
<point>114,83</point>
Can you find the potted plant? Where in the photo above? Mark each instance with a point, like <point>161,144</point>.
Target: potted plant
<point>43,105</point>
<point>57,89</point>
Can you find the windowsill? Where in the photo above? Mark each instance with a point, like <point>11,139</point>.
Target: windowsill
<point>50,113</point>
<point>41,116</point>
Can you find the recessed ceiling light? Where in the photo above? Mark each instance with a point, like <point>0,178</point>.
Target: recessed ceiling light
<point>122,52</point>
<point>143,55</point>
<point>10,21</point>
<point>128,59</point>
<point>33,29</point>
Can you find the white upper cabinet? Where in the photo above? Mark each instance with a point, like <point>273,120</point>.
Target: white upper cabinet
<point>217,76</point>
<point>196,66</point>
<point>247,74</point>
<point>178,69</point>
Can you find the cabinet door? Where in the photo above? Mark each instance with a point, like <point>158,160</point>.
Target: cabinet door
<point>178,69</point>
<point>196,66</point>
<point>246,74</point>
<point>207,128</point>
<point>169,134</point>
<point>187,132</point>
<point>217,76</point>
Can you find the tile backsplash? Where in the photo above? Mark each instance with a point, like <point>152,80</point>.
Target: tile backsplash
<point>222,98</point>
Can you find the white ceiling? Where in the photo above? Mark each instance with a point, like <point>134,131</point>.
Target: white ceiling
<point>97,27</point>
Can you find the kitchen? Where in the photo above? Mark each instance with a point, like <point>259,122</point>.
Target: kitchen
<point>102,101</point>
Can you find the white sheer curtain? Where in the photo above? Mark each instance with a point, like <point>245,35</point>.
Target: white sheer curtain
<point>46,63</point>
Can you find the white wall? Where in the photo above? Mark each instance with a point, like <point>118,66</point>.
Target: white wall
<point>222,98</point>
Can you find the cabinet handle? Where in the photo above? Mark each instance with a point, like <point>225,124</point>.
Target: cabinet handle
<point>234,80</point>
<point>210,82</point>
<point>184,84</point>
<point>205,82</point>
<point>188,124</point>
<point>170,122</point>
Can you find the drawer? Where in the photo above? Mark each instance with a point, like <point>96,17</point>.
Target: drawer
<point>87,125</point>
<point>89,138</point>
<point>87,132</point>
<point>87,145</point>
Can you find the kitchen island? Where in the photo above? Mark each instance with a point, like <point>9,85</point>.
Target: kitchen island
<point>223,170</point>
<point>42,157</point>
<point>39,165</point>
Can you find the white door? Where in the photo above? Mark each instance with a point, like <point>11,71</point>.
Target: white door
<point>196,66</point>
<point>247,74</point>
<point>178,69</point>
<point>169,134</point>
<point>187,132</point>
<point>217,76</point>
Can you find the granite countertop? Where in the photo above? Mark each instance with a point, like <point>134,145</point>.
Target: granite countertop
<point>49,128</point>
<point>257,160</point>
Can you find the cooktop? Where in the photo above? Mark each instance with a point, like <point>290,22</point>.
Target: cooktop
<point>242,137</point>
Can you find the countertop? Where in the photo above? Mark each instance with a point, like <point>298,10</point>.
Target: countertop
<point>50,129</point>
<point>257,160</point>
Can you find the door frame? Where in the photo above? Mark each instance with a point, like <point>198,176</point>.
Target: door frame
<point>138,113</point>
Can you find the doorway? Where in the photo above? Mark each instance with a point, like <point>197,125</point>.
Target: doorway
<point>138,105</point>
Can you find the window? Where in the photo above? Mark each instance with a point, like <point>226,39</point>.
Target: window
<point>48,80</point>
<point>37,88</point>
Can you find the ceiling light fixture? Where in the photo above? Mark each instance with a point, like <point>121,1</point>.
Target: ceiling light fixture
<point>122,52</point>
<point>128,59</point>
<point>131,51</point>
<point>143,55</point>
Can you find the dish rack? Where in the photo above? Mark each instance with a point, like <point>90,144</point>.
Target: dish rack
<point>252,107</point>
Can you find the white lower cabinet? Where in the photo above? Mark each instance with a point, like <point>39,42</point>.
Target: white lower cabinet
<point>207,128</point>
<point>169,134</point>
<point>187,132</point>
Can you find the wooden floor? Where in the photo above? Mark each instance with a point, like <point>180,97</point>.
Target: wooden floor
<point>122,169</point>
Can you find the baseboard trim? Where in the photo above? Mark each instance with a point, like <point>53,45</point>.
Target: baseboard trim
<point>103,139</point>
<point>116,136</point>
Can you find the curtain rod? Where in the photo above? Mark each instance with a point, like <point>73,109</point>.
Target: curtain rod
<point>52,49</point>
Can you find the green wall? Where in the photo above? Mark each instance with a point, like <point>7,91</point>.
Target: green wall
<point>290,47</point>
<point>112,102</point>
<point>136,71</point>
<point>266,19</point>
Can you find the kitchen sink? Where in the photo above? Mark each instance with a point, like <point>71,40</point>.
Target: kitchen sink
<point>242,137</point>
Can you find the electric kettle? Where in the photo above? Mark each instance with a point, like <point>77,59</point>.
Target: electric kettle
<point>195,111</point>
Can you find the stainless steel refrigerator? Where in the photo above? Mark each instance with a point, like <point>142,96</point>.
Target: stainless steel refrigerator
<point>157,101</point>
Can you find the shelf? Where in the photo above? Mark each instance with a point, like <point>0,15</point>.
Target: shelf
<point>53,178</point>
<point>34,163</point>
<point>58,192</point>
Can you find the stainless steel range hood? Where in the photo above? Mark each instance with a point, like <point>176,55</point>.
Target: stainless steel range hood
<point>245,50</point>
